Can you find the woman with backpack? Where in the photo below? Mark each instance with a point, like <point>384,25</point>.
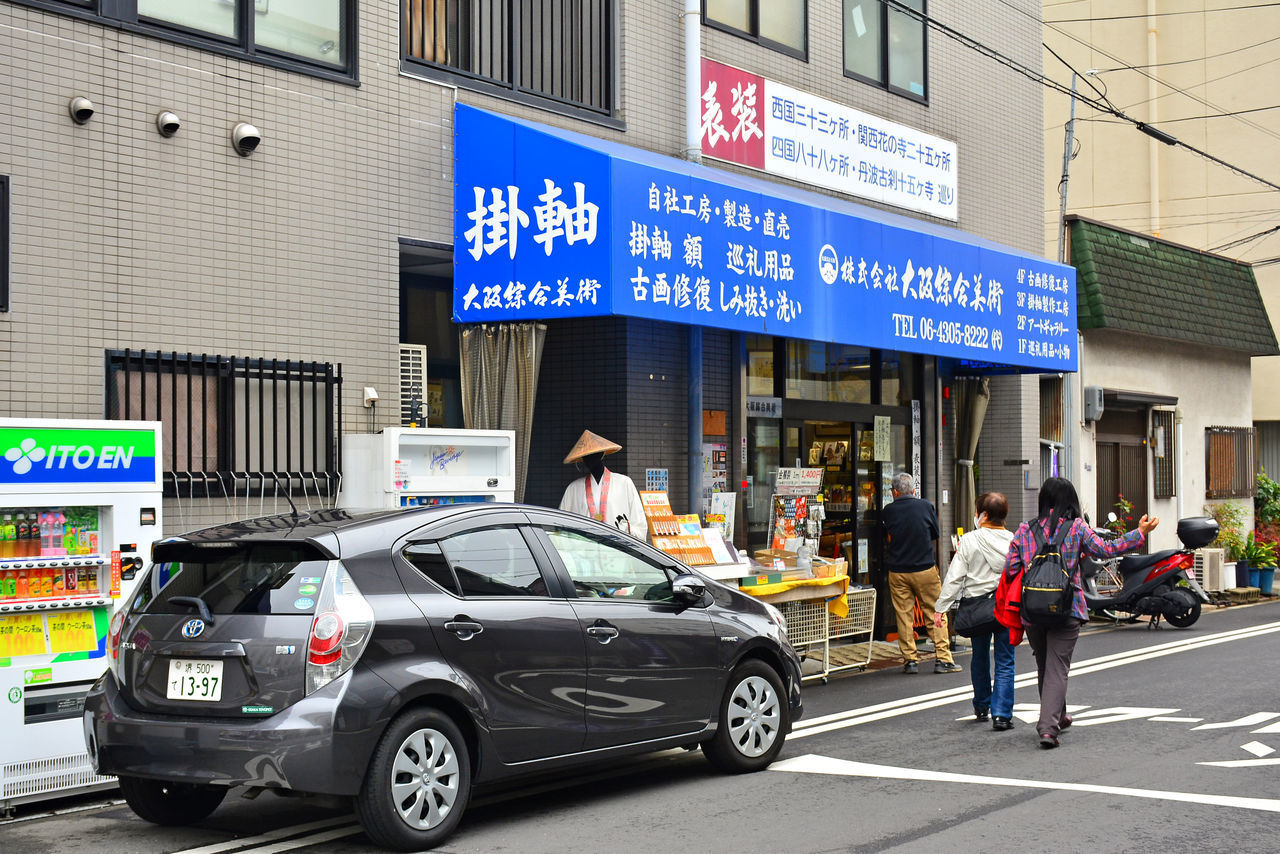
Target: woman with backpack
<point>1043,544</point>
<point>974,572</point>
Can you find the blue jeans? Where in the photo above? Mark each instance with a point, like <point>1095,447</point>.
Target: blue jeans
<point>995,695</point>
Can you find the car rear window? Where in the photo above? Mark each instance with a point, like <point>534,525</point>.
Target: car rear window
<point>234,578</point>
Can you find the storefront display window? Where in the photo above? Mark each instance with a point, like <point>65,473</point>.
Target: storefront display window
<point>760,365</point>
<point>830,372</point>
<point>897,379</point>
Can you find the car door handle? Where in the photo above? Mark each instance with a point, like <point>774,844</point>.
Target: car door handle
<point>464,629</point>
<point>604,634</point>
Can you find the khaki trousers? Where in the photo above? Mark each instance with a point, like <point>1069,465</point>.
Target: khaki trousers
<point>904,589</point>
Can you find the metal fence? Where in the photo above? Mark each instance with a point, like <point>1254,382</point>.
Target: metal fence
<point>234,425</point>
<point>1230,462</point>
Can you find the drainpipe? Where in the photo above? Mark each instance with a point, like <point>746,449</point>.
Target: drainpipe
<point>693,153</point>
<point>693,80</point>
<point>1153,145</point>
<point>1177,456</point>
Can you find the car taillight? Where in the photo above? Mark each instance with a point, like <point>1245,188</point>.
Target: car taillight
<point>340,630</point>
<point>113,634</point>
<point>325,646</point>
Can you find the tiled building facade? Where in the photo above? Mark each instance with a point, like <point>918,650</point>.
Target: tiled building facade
<point>124,239</point>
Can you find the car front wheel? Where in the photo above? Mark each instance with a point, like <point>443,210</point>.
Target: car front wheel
<point>418,783</point>
<point>754,719</point>
<point>170,804</point>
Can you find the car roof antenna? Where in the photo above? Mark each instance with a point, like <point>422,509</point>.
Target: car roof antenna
<point>287,497</point>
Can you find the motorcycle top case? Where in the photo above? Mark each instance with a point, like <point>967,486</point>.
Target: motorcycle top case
<point>1197,531</point>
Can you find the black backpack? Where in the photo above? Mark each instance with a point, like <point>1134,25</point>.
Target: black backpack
<point>1047,592</point>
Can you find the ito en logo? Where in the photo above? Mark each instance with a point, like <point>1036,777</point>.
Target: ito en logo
<point>24,455</point>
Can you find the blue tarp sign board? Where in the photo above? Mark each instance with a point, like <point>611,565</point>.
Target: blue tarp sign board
<point>550,223</point>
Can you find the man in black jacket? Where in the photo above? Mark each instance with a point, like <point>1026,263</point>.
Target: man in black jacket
<point>911,528</point>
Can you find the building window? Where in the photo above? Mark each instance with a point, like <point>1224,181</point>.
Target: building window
<point>831,372</point>
<point>778,24</point>
<point>885,45</point>
<point>561,52</point>
<point>1163,457</point>
<point>233,425</point>
<point>302,35</point>
<point>1230,462</point>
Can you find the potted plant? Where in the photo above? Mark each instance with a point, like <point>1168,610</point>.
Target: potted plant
<point>1261,552</point>
<point>1230,517</point>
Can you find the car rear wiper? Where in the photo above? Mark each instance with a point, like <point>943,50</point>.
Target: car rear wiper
<point>197,603</point>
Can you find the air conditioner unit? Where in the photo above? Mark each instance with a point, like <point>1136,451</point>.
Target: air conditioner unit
<point>1210,568</point>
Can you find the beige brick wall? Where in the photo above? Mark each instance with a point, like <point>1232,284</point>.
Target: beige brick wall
<point>122,238</point>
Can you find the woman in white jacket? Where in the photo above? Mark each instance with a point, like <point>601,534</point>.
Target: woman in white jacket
<point>975,570</point>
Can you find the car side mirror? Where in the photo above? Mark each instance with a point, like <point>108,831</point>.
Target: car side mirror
<point>688,589</point>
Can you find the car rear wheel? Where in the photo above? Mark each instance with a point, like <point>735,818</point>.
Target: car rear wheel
<point>754,719</point>
<point>170,804</point>
<point>418,783</point>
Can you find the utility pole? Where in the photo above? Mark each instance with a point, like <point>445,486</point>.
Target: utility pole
<point>1067,465</point>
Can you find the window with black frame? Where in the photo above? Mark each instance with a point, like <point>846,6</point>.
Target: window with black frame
<point>782,25</point>
<point>884,44</point>
<point>558,53</point>
<point>297,33</point>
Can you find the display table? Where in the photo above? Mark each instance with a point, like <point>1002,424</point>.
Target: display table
<point>819,610</point>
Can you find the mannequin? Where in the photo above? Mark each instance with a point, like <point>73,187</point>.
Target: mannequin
<point>606,496</point>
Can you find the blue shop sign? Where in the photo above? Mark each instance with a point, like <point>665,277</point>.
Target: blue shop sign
<point>551,223</point>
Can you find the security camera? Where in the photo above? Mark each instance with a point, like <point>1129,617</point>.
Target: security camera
<point>370,396</point>
<point>167,123</point>
<point>81,109</point>
<point>245,138</point>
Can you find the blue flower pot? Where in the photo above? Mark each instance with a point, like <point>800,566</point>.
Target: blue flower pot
<point>1254,576</point>
<point>1266,576</point>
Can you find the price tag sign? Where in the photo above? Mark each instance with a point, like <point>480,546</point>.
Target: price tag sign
<point>72,631</point>
<point>22,634</point>
<point>793,481</point>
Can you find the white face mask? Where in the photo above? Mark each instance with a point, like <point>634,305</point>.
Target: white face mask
<point>977,520</point>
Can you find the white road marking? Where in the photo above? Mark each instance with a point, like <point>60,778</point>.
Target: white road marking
<point>813,764</point>
<point>1246,721</point>
<point>1168,720</point>
<point>1029,713</point>
<point>304,841</point>
<point>1116,714</point>
<point>1244,763</point>
<point>1270,728</point>
<point>270,836</point>
<point>907,705</point>
<point>1258,749</point>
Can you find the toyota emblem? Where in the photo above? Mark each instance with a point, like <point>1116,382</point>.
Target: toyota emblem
<point>192,628</point>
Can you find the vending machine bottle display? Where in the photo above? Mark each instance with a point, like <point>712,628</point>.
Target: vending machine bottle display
<point>423,466</point>
<point>79,509</point>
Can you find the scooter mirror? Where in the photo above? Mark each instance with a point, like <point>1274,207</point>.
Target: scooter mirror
<point>1111,517</point>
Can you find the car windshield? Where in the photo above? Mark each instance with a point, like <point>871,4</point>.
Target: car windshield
<point>233,578</point>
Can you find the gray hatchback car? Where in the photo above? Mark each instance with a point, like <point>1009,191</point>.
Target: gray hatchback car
<point>402,658</point>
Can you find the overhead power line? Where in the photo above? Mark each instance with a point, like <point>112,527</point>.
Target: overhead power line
<point>1161,14</point>
<point>1185,61</point>
<point>1101,104</point>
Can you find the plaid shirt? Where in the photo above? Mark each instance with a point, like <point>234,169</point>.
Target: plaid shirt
<point>1081,536</point>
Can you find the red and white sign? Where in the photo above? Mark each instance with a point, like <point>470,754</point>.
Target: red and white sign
<point>755,122</point>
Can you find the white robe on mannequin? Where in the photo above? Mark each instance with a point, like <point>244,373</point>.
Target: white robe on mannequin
<point>623,508</point>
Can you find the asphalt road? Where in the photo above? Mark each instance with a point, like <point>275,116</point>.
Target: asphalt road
<point>1176,748</point>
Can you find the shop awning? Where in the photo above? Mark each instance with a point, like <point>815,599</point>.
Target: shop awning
<point>1137,283</point>
<point>549,224</point>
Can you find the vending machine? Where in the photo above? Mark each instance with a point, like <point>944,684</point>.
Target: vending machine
<point>80,505</point>
<point>418,466</point>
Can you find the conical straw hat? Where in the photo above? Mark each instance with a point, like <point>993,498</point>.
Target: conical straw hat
<point>590,443</point>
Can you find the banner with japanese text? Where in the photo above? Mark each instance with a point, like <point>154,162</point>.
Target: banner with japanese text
<point>750,120</point>
<point>551,223</point>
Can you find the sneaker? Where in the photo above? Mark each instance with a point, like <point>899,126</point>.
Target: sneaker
<point>946,667</point>
<point>1048,741</point>
<point>1066,722</point>
<point>981,714</point>
<point>1001,724</point>
<point>911,667</point>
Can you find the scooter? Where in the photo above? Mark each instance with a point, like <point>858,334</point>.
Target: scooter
<point>1153,583</point>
